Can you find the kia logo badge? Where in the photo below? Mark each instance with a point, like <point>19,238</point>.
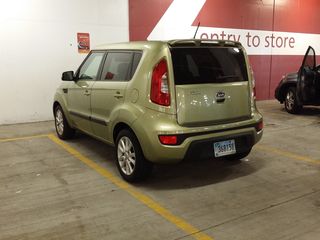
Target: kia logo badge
<point>220,95</point>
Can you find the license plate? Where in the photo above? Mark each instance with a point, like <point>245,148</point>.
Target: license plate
<point>224,148</point>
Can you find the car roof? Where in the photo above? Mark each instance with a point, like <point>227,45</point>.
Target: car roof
<point>142,45</point>
<point>131,45</point>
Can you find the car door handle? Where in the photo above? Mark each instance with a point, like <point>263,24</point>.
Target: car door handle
<point>87,92</point>
<point>118,95</point>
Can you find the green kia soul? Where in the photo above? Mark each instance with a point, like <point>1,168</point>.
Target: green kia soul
<point>162,102</point>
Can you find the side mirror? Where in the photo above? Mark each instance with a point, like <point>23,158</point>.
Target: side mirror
<point>68,76</point>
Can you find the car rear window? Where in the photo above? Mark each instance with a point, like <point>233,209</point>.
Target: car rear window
<point>200,65</point>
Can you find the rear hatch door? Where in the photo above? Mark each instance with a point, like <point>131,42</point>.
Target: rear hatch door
<point>211,85</point>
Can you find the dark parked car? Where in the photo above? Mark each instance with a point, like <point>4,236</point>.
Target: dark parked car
<point>302,88</point>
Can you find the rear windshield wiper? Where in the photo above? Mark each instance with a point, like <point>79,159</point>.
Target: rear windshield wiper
<point>227,77</point>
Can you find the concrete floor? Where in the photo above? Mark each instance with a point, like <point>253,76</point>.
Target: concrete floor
<point>47,193</point>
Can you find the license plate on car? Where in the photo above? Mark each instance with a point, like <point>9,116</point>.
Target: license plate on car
<point>224,148</point>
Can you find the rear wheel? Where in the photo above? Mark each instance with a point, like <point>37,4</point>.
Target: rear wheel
<point>291,102</point>
<point>63,129</point>
<point>131,163</point>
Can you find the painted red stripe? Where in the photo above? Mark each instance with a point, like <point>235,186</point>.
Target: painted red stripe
<point>241,14</point>
<point>144,16</point>
<point>297,16</point>
<point>289,15</point>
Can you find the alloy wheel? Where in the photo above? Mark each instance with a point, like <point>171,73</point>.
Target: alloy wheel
<point>59,122</point>
<point>290,100</point>
<point>126,155</point>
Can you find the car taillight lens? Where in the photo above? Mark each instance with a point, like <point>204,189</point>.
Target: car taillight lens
<point>168,139</point>
<point>160,84</point>
<point>253,84</point>
<point>259,126</point>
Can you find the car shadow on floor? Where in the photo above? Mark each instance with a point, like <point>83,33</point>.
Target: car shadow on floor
<point>200,172</point>
<point>189,173</point>
<point>307,111</point>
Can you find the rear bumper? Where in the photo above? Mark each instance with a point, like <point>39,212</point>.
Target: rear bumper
<point>197,142</point>
<point>204,148</point>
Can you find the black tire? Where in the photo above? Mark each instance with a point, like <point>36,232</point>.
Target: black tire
<point>237,156</point>
<point>131,172</point>
<point>63,129</point>
<point>291,102</point>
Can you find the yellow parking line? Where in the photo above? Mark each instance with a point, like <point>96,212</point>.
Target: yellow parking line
<point>22,138</point>
<point>287,154</point>
<point>146,200</point>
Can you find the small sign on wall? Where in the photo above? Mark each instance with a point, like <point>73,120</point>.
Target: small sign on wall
<point>83,42</point>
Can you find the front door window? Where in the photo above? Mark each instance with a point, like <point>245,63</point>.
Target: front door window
<point>307,77</point>
<point>89,70</point>
<point>310,59</point>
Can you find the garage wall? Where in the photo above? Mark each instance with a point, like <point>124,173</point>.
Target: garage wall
<point>275,33</point>
<point>38,41</point>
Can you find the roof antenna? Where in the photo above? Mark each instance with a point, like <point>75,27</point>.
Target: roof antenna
<point>195,34</point>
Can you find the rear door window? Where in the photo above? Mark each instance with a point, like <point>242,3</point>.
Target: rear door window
<point>117,66</point>
<point>136,59</point>
<point>200,65</point>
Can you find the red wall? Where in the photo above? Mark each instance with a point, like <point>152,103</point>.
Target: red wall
<point>297,16</point>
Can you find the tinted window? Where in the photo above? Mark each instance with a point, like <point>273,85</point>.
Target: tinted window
<point>310,59</point>
<point>136,60</point>
<point>208,65</point>
<point>89,70</point>
<point>116,66</point>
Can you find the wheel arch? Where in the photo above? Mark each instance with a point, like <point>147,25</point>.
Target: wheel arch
<point>127,115</point>
<point>117,128</point>
<point>64,109</point>
<point>123,125</point>
<point>284,88</point>
<point>55,104</point>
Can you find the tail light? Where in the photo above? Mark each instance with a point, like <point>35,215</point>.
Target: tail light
<point>160,84</point>
<point>259,126</point>
<point>253,84</point>
<point>168,139</point>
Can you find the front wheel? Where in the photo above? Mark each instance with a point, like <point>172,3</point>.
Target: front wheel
<point>291,102</point>
<point>131,162</point>
<point>63,129</point>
